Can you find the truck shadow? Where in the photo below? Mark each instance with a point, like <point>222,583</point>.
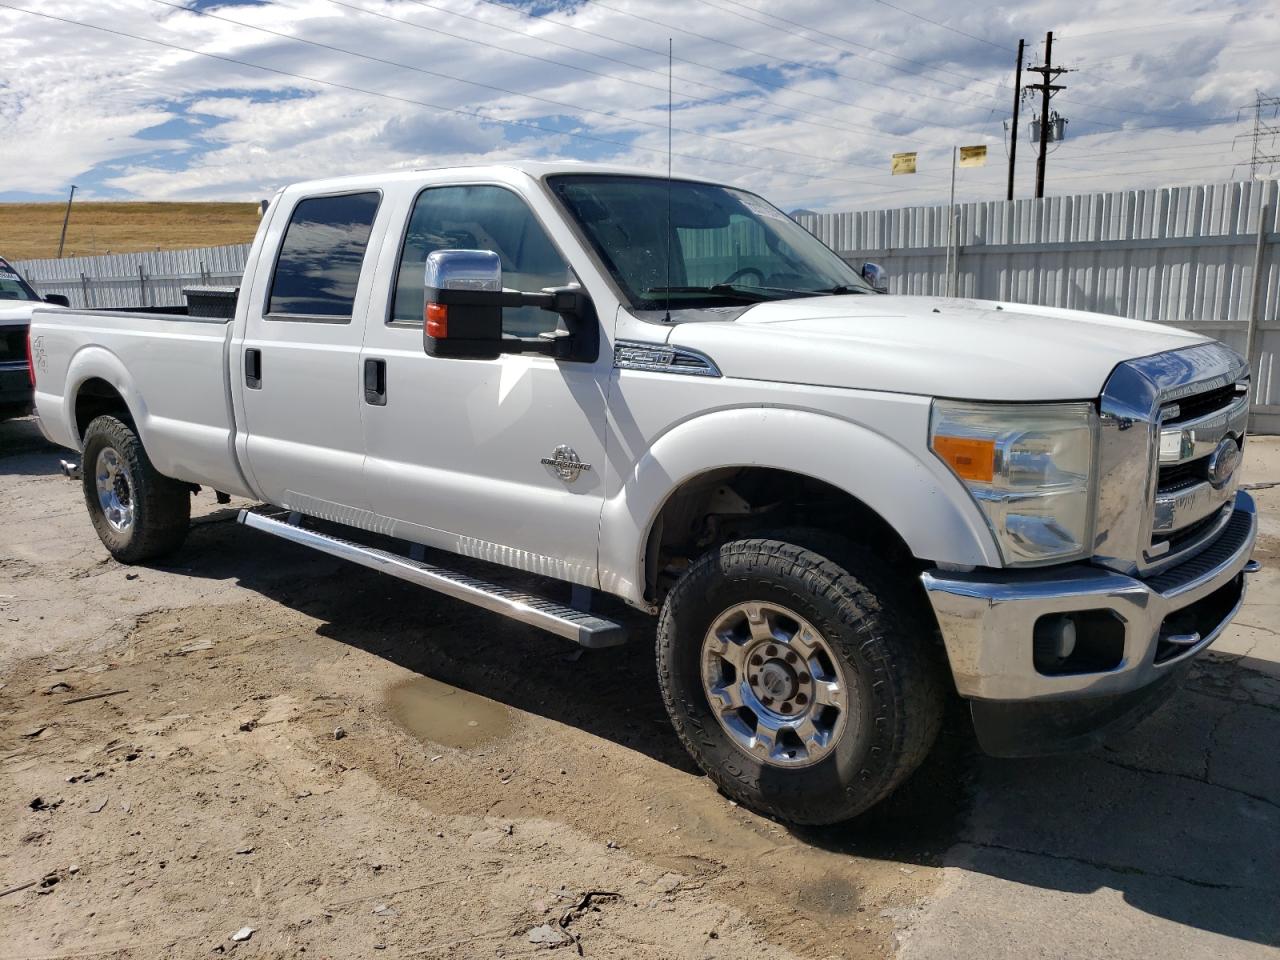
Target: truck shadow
<point>1181,816</point>
<point>24,452</point>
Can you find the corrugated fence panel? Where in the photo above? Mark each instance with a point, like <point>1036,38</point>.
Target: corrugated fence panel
<point>153,279</point>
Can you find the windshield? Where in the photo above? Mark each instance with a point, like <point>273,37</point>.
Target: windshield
<point>726,245</point>
<point>12,286</point>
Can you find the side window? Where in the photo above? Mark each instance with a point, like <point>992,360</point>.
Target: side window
<point>481,218</point>
<point>321,255</point>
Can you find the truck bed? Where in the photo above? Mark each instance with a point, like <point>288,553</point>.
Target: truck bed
<point>157,362</point>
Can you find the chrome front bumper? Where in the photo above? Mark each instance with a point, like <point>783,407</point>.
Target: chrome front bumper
<point>988,618</point>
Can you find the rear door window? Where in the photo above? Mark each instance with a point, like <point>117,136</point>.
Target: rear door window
<point>321,256</point>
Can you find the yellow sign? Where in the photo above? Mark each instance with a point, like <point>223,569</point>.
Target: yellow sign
<point>973,156</point>
<point>904,163</point>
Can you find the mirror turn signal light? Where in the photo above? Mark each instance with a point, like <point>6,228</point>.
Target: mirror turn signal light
<point>437,318</point>
<point>970,459</point>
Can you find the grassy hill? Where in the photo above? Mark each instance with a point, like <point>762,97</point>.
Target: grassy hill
<point>30,230</point>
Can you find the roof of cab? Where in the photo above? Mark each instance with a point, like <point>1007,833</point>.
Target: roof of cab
<point>537,169</point>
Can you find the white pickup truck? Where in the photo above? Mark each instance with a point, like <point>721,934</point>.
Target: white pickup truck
<point>842,506</point>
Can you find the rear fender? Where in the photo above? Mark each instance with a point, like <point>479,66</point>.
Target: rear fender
<point>97,362</point>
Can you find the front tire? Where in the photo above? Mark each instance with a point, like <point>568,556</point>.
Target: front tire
<point>806,688</point>
<point>138,513</point>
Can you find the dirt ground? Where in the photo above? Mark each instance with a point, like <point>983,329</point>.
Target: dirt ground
<point>350,766</point>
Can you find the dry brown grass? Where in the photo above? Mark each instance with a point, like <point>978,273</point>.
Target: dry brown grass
<point>30,230</point>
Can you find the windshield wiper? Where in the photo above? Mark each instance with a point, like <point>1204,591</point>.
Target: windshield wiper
<point>841,289</point>
<point>739,291</point>
<point>726,290</point>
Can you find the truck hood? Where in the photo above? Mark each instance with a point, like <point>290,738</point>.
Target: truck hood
<point>931,346</point>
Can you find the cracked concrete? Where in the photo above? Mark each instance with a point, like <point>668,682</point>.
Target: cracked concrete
<point>1165,842</point>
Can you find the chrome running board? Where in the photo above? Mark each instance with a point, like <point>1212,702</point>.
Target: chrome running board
<point>582,628</point>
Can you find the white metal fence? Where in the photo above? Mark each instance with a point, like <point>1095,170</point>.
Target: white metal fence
<point>136,279</point>
<point>1203,258</point>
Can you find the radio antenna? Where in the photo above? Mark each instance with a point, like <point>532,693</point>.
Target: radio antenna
<point>667,319</point>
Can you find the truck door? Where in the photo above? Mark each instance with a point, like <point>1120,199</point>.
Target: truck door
<point>476,456</point>
<point>301,393</point>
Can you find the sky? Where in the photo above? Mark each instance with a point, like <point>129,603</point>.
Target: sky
<point>803,102</point>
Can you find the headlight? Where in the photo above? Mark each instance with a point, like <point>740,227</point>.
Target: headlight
<point>1028,467</point>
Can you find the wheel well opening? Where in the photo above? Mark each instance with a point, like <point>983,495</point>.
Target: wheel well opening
<point>97,398</point>
<point>732,503</point>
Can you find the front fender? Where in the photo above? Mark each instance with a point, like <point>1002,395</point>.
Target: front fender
<point>910,489</point>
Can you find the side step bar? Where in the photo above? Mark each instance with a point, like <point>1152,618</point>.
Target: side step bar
<point>583,628</point>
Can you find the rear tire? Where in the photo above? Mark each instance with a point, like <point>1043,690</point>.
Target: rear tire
<point>834,642</point>
<point>139,514</point>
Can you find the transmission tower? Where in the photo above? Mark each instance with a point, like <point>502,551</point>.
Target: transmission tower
<point>1262,129</point>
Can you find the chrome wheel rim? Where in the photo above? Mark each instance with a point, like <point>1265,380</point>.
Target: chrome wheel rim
<point>115,489</point>
<point>774,684</point>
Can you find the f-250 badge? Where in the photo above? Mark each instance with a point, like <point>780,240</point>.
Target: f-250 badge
<point>566,463</point>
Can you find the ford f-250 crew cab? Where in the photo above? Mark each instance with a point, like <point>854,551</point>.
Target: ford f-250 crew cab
<point>842,506</point>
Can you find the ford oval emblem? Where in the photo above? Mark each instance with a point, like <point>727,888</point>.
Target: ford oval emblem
<point>1223,463</point>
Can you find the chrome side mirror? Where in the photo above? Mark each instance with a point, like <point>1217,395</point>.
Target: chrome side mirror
<point>463,270</point>
<point>462,304</point>
<point>877,276</point>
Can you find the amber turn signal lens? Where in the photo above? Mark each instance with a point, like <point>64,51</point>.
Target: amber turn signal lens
<point>970,459</point>
<point>437,317</point>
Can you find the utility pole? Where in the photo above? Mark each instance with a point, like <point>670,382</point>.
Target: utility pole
<point>65,217</point>
<point>1017,97</point>
<point>1048,73</point>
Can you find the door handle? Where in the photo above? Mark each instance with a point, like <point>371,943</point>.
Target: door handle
<point>375,382</point>
<point>253,368</point>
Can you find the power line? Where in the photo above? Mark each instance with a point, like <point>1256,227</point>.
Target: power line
<point>1148,26</point>
<point>738,3</point>
<point>505,90</point>
<point>758,81</point>
<point>1147,150</point>
<point>842,127</point>
<point>781,60</point>
<point>844,40</point>
<point>844,103</point>
<point>461,111</point>
<point>1236,48</point>
<point>1103,173</point>
<point>938,23</point>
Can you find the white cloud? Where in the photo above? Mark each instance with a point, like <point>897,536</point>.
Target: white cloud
<point>860,81</point>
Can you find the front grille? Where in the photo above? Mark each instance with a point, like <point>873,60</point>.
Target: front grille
<point>1192,408</point>
<point>1174,476</point>
<point>1181,538</point>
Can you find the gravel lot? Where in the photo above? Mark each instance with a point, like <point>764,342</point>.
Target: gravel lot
<point>354,767</point>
